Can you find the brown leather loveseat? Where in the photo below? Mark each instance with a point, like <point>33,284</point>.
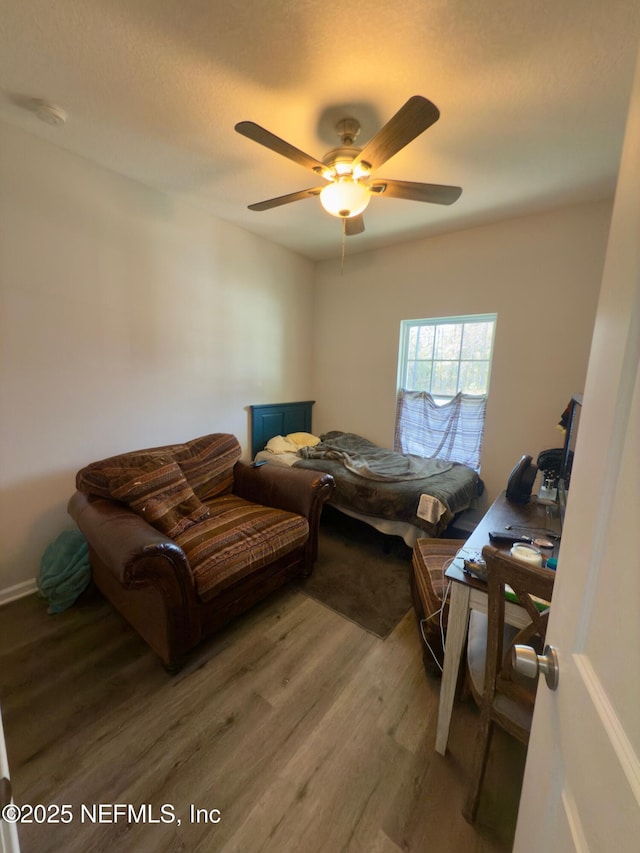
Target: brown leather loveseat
<point>183,538</point>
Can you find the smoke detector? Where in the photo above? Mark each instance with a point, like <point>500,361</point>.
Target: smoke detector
<point>44,110</point>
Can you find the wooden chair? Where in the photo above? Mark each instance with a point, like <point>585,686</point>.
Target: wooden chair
<point>505,698</point>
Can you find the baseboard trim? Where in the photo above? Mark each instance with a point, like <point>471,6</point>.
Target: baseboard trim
<point>11,593</point>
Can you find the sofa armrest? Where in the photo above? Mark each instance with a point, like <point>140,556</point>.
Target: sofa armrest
<point>298,490</point>
<point>127,544</point>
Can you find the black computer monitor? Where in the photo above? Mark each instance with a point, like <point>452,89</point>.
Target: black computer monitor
<point>564,479</point>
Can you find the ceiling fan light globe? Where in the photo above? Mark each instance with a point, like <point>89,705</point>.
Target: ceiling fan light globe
<point>345,198</point>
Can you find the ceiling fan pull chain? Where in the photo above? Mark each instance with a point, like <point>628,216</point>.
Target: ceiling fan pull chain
<point>344,236</point>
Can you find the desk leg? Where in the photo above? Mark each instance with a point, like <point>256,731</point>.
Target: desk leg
<point>456,636</point>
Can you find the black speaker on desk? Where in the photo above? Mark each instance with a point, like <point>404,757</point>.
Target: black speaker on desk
<point>521,480</point>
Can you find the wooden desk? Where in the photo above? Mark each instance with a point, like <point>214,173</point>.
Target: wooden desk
<point>467,593</point>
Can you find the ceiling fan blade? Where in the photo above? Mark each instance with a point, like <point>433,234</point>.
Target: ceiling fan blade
<point>433,193</point>
<point>264,137</point>
<point>410,121</point>
<point>354,225</point>
<point>285,199</point>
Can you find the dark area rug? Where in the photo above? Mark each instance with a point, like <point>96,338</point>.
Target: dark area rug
<point>361,574</point>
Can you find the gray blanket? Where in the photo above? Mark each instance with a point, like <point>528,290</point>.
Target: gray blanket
<point>455,485</point>
<point>366,459</point>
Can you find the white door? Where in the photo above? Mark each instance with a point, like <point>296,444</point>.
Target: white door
<point>8,833</point>
<point>582,780</point>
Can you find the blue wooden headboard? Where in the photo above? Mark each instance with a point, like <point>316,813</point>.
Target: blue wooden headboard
<point>278,419</point>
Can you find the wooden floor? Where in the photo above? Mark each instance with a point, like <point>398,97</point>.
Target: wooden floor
<point>304,731</point>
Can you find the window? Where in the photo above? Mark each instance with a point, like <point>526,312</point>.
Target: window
<point>446,355</point>
<point>444,367</point>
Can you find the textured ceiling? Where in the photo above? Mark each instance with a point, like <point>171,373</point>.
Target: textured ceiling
<point>532,96</point>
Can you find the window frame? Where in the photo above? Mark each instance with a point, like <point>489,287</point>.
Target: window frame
<point>403,355</point>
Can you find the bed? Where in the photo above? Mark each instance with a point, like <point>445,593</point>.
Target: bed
<point>396,494</point>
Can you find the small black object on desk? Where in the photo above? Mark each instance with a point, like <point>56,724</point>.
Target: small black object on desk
<point>507,538</point>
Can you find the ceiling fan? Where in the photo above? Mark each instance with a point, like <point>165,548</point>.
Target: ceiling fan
<point>347,169</point>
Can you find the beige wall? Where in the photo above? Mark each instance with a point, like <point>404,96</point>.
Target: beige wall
<point>128,318</point>
<point>541,274</point>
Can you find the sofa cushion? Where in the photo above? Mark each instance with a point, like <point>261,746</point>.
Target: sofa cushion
<point>208,463</point>
<point>158,491</point>
<point>97,478</point>
<point>237,539</point>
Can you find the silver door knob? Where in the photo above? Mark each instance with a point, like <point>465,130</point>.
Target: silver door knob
<point>525,661</point>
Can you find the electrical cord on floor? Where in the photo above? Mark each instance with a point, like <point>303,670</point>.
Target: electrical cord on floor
<point>426,642</point>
